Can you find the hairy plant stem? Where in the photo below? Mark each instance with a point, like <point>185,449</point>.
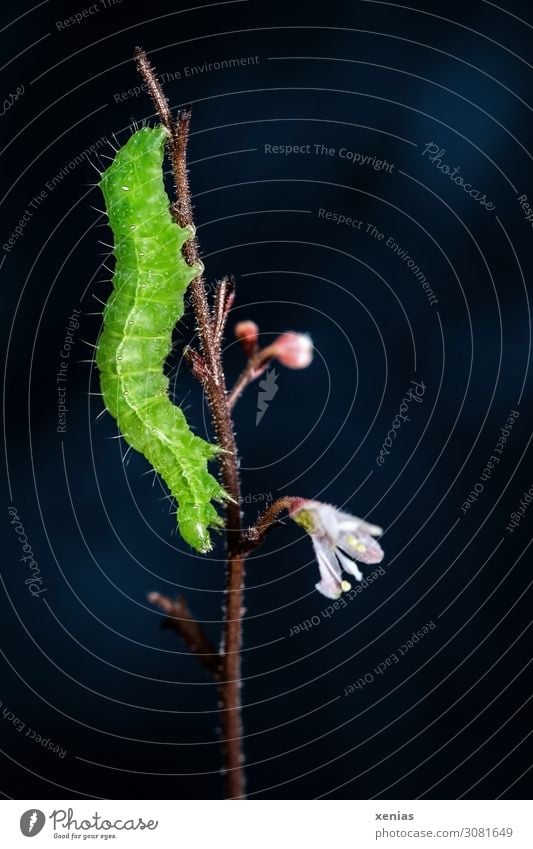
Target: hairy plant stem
<point>253,537</point>
<point>254,368</point>
<point>229,672</point>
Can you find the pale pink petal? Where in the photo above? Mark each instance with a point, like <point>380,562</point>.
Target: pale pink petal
<point>330,583</point>
<point>327,517</point>
<point>367,528</point>
<point>354,523</point>
<point>349,566</point>
<point>362,547</point>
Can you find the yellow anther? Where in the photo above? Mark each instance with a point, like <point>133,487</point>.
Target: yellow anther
<point>345,586</point>
<point>355,544</point>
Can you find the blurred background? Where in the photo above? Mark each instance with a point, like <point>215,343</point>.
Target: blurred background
<point>326,149</point>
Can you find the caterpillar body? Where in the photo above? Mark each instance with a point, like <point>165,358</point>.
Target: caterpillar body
<point>150,279</point>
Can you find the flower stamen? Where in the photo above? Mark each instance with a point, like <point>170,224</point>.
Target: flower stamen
<point>354,543</point>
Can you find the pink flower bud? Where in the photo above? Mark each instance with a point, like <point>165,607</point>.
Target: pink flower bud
<point>294,350</point>
<point>247,332</point>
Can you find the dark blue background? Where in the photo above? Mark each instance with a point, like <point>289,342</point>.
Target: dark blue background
<point>86,663</point>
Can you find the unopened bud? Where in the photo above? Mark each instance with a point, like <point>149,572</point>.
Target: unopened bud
<point>247,332</point>
<point>294,350</point>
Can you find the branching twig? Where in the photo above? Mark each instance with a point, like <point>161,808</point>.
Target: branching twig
<point>268,520</point>
<point>254,368</point>
<point>294,350</point>
<point>180,619</point>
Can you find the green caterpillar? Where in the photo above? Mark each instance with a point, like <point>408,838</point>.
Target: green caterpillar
<point>149,283</point>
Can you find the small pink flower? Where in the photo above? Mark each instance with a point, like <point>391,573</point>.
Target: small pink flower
<point>339,541</point>
<point>294,350</point>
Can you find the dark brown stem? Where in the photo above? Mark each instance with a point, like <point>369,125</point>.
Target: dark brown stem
<point>254,536</point>
<point>230,683</point>
<point>156,92</point>
<point>180,619</point>
<point>215,388</point>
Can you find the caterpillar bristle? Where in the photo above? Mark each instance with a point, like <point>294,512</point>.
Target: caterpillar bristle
<point>166,497</point>
<point>95,168</point>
